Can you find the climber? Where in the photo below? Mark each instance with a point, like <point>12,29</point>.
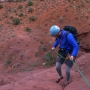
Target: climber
<point>68,47</point>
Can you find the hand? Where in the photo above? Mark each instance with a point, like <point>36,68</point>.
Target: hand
<point>71,58</point>
<point>53,48</point>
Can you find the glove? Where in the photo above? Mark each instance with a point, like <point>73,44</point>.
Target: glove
<point>53,48</point>
<point>72,58</point>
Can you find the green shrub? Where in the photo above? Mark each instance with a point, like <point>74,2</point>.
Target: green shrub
<point>20,7</point>
<point>36,53</point>
<point>10,0</point>
<point>30,10</point>
<point>82,5</point>
<point>32,18</point>
<point>41,0</point>
<point>34,64</point>
<point>1,6</point>
<point>20,14</point>
<point>16,21</point>
<point>50,59</point>
<point>28,29</point>
<point>30,3</point>
<point>78,6</point>
<point>69,0</point>
<point>8,61</point>
<point>18,0</point>
<point>43,48</point>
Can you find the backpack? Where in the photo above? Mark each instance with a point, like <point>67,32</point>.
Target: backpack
<point>73,30</point>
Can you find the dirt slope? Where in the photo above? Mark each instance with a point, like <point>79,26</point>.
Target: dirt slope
<point>23,46</point>
<point>45,79</point>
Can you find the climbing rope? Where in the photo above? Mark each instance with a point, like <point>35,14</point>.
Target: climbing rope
<point>76,68</point>
<point>74,65</point>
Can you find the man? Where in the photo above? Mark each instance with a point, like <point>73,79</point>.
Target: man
<point>67,47</point>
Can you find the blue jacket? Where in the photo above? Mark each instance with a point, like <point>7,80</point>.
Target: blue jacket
<point>67,42</point>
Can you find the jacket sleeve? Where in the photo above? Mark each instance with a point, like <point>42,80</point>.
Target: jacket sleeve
<point>56,42</point>
<point>73,44</point>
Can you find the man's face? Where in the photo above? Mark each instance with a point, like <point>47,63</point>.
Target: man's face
<point>57,35</point>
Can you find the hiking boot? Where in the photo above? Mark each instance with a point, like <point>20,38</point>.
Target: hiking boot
<point>57,81</point>
<point>66,83</point>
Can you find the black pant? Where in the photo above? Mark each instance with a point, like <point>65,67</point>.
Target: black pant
<point>60,61</point>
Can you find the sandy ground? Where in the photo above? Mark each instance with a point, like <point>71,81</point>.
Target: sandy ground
<point>44,79</point>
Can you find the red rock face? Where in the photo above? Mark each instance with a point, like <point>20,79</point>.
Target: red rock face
<point>22,46</point>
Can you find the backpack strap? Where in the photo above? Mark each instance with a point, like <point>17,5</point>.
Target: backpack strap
<point>67,34</point>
